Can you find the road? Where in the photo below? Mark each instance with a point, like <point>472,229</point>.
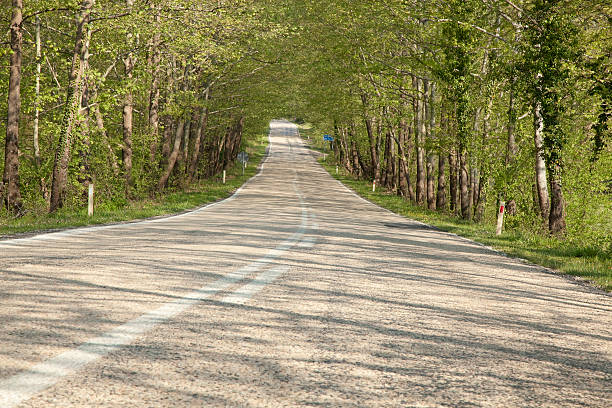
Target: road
<point>294,292</point>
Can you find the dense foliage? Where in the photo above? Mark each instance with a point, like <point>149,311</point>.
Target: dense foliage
<point>134,96</point>
<point>459,105</point>
<point>454,105</point>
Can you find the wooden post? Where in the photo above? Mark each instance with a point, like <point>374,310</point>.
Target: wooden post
<point>90,202</point>
<point>500,218</point>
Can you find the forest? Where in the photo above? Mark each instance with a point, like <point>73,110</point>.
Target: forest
<point>455,106</point>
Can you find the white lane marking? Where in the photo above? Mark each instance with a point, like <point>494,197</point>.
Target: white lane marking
<point>307,242</point>
<point>244,293</point>
<point>23,386</point>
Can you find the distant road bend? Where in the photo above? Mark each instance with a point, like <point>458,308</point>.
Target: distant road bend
<point>294,292</point>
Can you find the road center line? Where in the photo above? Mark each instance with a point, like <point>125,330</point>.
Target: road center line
<point>244,293</point>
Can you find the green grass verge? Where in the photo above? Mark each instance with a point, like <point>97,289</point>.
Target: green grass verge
<point>198,194</point>
<point>586,262</point>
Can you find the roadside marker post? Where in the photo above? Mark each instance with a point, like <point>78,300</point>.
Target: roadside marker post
<point>374,186</point>
<point>90,202</point>
<point>500,218</point>
<point>336,169</point>
<point>223,176</point>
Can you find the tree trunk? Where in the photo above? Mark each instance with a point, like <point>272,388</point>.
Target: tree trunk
<point>37,94</point>
<point>73,103</point>
<point>183,158</point>
<point>372,139</point>
<point>419,131</point>
<point>556,222</point>
<point>404,179</point>
<point>356,164</point>
<point>463,185</point>
<point>431,124</point>
<point>128,111</point>
<point>102,129</point>
<point>540,165</point>
<point>168,129</point>
<point>441,195</point>
<point>452,162</point>
<point>10,179</point>
<point>178,137</point>
<point>154,94</point>
<point>128,115</point>
<point>431,195</point>
<point>195,157</point>
<point>480,199</point>
<point>511,149</point>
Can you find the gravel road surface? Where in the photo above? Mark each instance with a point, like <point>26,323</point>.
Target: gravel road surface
<point>293,293</point>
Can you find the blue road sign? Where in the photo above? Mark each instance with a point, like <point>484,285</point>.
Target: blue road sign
<point>243,157</point>
<point>328,138</point>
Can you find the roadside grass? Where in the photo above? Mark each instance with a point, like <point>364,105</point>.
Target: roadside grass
<point>589,263</point>
<point>196,195</point>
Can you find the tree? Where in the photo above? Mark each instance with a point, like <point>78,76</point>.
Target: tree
<point>10,178</point>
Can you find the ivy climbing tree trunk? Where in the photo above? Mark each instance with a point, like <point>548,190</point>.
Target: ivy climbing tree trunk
<point>10,178</point>
<point>73,103</point>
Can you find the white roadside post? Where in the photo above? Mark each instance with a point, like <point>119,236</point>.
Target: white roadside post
<point>500,218</point>
<point>223,176</point>
<point>374,185</point>
<point>90,202</point>
<point>336,169</point>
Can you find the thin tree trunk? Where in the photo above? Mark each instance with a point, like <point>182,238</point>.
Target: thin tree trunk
<point>371,138</point>
<point>463,184</point>
<point>441,195</point>
<point>154,93</point>
<point>346,152</point>
<point>431,124</point>
<point>404,180</point>
<point>84,176</point>
<point>195,157</point>
<point>556,222</point>
<point>73,103</point>
<point>168,125</point>
<point>102,129</point>
<point>452,162</point>
<point>390,176</point>
<point>37,94</point>
<point>10,179</point>
<point>128,111</point>
<point>356,164</point>
<point>540,165</point>
<point>384,179</point>
<point>511,148</point>
<point>419,130</point>
<point>186,137</point>
<point>176,150</point>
